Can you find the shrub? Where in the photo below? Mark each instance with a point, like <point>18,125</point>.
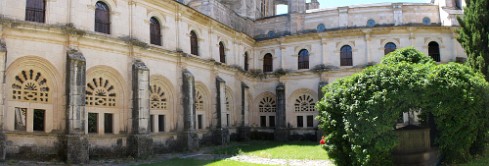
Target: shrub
<point>358,113</point>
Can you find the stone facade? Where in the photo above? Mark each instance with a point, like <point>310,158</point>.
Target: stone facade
<point>68,89</point>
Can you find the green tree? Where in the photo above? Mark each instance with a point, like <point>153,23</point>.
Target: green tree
<point>474,35</point>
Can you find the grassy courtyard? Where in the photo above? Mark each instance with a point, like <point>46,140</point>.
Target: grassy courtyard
<point>264,149</point>
<point>276,150</point>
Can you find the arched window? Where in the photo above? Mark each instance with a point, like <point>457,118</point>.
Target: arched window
<point>100,93</point>
<point>346,56</point>
<point>389,47</point>
<point>102,18</point>
<point>246,65</point>
<point>304,103</point>
<point>303,59</point>
<point>267,108</point>
<point>194,43</point>
<point>268,63</point>
<point>222,53</point>
<point>35,10</point>
<point>155,31</point>
<point>434,51</point>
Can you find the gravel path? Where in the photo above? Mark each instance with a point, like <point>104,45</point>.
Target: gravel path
<point>259,160</point>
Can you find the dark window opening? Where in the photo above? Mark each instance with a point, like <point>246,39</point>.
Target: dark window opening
<point>222,53</point>
<point>161,123</point>
<point>458,4</point>
<point>227,119</point>
<point>303,59</point>
<point>434,51</point>
<point>346,56</point>
<point>199,122</point>
<point>268,63</point>
<point>92,122</point>
<point>271,121</point>
<point>102,18</point>
<point>389,47</point>
<point>108,123</point>
<point>39,118</point>
<point>194,43</point>
<point>35,11</point>
<point>20,119</point>
<point>151,123</point>
<point>310,121</point>
<point>263,121</point>
<point>246,65</point>
<point>155,31</point>
<point>300,121</point>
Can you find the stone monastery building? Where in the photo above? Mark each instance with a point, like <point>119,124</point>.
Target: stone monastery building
<point>104,78</point>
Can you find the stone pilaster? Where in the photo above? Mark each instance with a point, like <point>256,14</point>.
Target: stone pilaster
<point>221,133</point>
<point>3,137</point>
<point>76,139</point>
<point>139,142</point>
<point>189,136</point>
<point>281,130</point>
<point>244,129</point>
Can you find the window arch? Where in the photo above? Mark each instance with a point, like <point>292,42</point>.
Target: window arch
<point>434,51</point>
<point>246,64</point>
<point>30,86</point>
<point>100,92</point>
<point>158,98</point>
<point>267,104</point>
<point>346,56</point>
<point>35,11</point>
<point>194,43</point>
<point>303,59</point>
<point>457,4</point>
<point>304,103</point>
<point>222,53</point>
<point>268,63</point>
<point>102,18</point>
<point>389,47</point>
<point>155,31</point>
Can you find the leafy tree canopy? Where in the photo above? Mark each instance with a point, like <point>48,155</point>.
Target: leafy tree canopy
<point>358,113</point>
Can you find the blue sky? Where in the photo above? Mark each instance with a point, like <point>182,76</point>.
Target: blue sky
<point>335,3</point>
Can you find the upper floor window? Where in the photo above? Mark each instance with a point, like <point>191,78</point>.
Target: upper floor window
<point>246,65</point>
<point>303,59</point>
<point>155,31</point>
<point>102,18</point>
<point>194,43</point>
<point>222,53</point>
<point>457,4</point>
<point>35,10</point>
<point>434,51</point>
<point>389,47</point>
<point>346,56</point>
<point>268,63</point>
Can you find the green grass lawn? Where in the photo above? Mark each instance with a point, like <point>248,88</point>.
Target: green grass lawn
<point>277,150</point>
<point>195,162</point>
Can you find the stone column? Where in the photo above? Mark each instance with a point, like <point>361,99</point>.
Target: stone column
<point>244,129</point>
<point>189,136</point>
<point>76,139</point>
<point>3,59</point>
<point>221,134</point>
<point>281,130</point>
<point>140,142</point>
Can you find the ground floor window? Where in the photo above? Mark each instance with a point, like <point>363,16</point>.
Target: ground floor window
<point>108,123</point>
<point>227,120</point>
<point>263,121</point>
<point>38,119</point>
<point>271,121</point>
<point>200,122</point>
<point>161,123</point>
<point>92,122</point>
<point>307,119</point>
